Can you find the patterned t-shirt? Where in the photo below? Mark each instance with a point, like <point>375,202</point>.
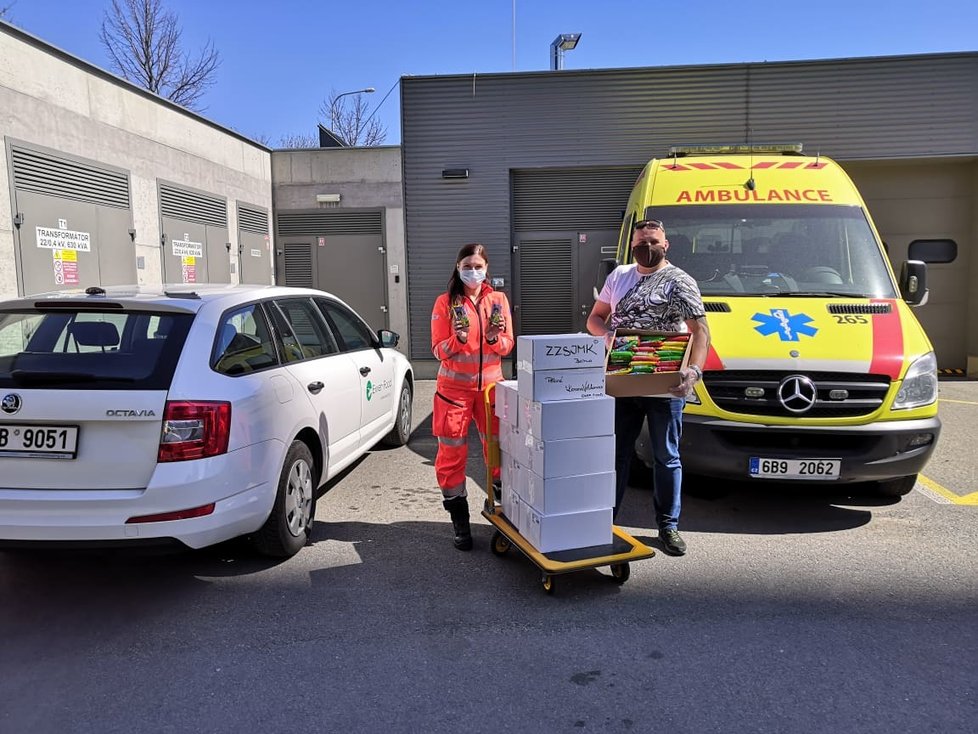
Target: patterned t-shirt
<point>660,301</point>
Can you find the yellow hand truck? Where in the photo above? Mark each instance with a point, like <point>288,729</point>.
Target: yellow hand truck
<point>617,555</point>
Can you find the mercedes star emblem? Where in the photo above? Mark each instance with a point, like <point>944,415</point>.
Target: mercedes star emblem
<point>11,403</point>
<point>797,393</point>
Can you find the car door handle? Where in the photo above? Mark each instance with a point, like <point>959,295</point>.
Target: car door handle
<point>364,371</point>
<point>315,387</point>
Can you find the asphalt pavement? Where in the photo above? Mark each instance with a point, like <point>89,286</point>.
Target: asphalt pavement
<point>794,611</point>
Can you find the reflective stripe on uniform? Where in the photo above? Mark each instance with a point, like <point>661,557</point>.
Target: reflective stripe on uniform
<point>444,441</point>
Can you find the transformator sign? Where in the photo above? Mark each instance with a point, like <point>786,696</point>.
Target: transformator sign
<point>183,248</point>
<point>63,239</point>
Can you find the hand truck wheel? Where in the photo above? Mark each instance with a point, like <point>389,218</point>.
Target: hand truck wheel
<point>548,583</point>
<point>620,572</point>
<point>500,544</point>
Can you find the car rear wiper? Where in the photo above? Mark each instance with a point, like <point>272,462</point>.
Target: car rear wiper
<point>28,377</point>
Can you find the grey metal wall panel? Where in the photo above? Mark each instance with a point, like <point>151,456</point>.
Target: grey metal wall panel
<point>882,108</point>
<point>571,199</point>
<point>41,173</point>
<point>193,206</point>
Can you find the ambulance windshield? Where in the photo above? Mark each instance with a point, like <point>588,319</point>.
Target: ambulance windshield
<point>777,249</point>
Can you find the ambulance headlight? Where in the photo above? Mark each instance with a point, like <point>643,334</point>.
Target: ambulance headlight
<point>919,387</point>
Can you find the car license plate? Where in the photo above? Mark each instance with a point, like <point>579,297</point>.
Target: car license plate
<point>38,442</point>
<point>767,468</point>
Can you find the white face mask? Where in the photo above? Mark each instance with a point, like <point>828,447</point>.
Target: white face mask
<point>472,278</point>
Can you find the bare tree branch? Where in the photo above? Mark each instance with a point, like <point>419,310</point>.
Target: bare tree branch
<point>142,40</point>
<point>5,11</point>
<point>347,116</point>
<point>298,140</point>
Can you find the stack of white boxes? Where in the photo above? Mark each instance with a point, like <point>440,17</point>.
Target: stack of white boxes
<point>557,443</point>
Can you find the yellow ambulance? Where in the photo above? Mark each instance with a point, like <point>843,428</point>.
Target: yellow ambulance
<point>818,369</point>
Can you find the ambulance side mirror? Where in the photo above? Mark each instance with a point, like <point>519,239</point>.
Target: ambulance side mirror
<point>604,270</point>
<point>913,282</point>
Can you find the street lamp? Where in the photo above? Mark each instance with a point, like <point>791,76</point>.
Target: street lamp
<point>563,42</point>
<point>367,90</point>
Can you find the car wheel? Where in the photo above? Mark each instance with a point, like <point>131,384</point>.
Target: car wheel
<point>895,487</point>
<point>289,525</point>
<point>401,431</point>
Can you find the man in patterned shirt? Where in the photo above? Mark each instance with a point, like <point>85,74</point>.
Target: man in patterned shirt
<point>653,294</point>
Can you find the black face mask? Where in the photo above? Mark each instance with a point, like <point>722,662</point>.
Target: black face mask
<point>649,257</point>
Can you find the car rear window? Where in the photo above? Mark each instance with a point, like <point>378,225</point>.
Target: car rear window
<point>89,349</point>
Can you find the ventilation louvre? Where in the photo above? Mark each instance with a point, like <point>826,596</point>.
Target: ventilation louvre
<point>859,308</point>
<point>252,220</point>
<point>191,206</point>
<point>328,223</point>
<point>298,266</point>
<point>716,307</point>
<point>46,174</point>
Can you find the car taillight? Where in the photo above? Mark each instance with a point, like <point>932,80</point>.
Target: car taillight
<point>194,430</point>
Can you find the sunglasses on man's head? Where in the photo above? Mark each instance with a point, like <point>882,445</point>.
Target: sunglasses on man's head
<point>651,223</point>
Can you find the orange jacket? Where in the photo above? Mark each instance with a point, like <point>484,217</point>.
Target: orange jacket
<point>474,363</point>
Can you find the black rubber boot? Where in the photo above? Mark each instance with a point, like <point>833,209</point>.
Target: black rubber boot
<point>458,508</point>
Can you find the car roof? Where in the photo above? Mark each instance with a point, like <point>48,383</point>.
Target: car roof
<point>177,297</point>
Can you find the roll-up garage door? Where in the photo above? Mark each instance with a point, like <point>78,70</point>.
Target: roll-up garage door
<point>341,252</point>
<point>74,222</point>
<point>196,247</point>
<point>254,254</point>
<point>564,222</point>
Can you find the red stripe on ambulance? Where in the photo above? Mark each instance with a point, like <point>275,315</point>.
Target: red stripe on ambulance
<point>713,361</point>
<point>887,341</point>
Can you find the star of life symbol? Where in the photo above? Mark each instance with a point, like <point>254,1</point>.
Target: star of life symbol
<point>781,322</point>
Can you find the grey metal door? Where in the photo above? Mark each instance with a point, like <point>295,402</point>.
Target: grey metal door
<point>73,222</point>
<point>254,254</point>
<point>341,252</point>
<point>195,241</point>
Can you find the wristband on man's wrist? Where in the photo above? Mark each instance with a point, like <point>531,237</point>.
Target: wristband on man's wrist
<point>493,340</point>
<point>696,368</point>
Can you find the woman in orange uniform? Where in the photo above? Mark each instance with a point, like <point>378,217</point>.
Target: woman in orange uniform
<point>471,331</point>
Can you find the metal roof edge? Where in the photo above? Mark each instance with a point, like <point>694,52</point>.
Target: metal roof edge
<point>682,67</point>
<point>98,71</point>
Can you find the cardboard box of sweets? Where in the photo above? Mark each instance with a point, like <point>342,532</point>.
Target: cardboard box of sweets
<point>651,383</point>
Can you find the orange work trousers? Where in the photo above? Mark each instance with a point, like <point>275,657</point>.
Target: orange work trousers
<point>454,409</point>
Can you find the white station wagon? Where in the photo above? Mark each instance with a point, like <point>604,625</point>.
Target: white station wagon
<point>194,416</point>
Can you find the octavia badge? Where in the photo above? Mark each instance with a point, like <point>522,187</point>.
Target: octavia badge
<point>11,403</point>
<point>797,393</point>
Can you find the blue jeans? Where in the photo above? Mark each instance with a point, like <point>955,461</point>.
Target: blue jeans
<point>665,416</point>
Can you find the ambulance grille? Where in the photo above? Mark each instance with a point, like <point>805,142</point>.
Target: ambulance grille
<point>864,393</point>
<point>859,308</point>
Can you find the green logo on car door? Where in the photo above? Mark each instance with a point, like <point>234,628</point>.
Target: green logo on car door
<point>370,389</point>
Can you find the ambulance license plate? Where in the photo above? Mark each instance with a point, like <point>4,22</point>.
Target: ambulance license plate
<point>819,469</point>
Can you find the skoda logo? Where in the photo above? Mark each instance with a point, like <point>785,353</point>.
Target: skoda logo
<point>11,403</point>
<point>797,393</point>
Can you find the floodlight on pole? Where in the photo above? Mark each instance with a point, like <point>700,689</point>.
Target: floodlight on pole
<point>563,42</point>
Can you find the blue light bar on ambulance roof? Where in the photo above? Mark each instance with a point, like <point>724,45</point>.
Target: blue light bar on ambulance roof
<point>677,151</point>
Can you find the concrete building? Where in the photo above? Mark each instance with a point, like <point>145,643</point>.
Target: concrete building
<point>110,184</point>
<point>339,226</point>
<point>538,167</point>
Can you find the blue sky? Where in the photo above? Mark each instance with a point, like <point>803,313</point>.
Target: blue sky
<point>281,58</point>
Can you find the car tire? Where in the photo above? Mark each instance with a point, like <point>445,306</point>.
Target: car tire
<point>894,487</point>
<point>401,431</point>
<point>289,525</point>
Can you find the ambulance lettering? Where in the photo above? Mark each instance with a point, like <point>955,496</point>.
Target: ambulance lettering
<point>712,196</point>
<point>788,328</point>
